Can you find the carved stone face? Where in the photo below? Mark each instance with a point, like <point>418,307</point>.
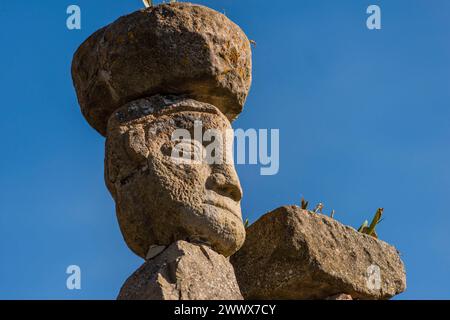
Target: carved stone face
<point>160,200</point>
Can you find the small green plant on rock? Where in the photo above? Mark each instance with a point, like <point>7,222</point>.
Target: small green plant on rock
<point>318,208</point>
<point>366,228</point>
<point>304,204</point>
<point>149,3</point>
<point>370,229</point>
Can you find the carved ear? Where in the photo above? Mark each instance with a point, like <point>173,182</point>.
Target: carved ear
<point>135,144</point>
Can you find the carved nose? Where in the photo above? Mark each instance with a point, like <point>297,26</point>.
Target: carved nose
<point>226,183</point>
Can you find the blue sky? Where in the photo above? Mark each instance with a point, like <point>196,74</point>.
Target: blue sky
<point>364,119</point>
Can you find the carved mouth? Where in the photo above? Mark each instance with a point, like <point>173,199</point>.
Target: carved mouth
<point>225,204</point>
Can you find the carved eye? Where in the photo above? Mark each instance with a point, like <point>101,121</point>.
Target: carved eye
<point>188,151</point>
<point>166,149</point>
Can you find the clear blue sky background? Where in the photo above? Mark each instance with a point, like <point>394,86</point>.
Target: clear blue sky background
<point>364,121</point>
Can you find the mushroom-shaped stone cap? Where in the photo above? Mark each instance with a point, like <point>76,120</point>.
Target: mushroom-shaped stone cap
<point>177,48</point>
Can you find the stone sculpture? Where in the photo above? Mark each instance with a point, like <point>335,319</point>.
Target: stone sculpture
<point>160,200</point>
<point>139,80</point>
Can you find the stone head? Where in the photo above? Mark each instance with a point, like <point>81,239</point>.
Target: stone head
<point>161,198</point>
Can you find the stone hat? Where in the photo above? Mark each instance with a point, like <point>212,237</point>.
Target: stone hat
<point>177,49</point>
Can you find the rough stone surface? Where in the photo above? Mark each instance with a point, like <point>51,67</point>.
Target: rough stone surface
<point>339,297</point>
<point>291,253</point>
<point>184,271</point>
<point>159,201</point>
<point>177,48</point>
